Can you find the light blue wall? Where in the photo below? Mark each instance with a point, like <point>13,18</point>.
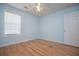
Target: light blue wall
<point>1,19</point>
<point>49,26</point>
<point>52,25</point>
<point>29,26</point>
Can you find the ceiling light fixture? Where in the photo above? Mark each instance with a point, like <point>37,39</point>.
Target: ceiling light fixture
<point>35,6</point>
<point>38,7</point>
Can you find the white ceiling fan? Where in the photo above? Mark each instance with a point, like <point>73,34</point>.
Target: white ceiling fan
<point>38,7</point>
<point>35,6</point>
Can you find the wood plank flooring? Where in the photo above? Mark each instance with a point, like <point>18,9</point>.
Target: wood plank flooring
<point>39,48</point>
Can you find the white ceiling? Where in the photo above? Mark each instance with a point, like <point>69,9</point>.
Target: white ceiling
<point>47,7</point>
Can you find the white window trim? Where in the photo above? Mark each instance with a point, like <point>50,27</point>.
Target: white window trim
<point>19,17</point>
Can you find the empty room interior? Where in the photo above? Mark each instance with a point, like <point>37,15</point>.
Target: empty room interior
<point>39,29</point>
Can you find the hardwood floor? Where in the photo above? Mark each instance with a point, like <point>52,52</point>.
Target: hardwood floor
<point>39,48</point>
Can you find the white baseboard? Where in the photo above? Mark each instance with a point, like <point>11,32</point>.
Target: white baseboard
<point>3,45</point>
<point>53,40</point>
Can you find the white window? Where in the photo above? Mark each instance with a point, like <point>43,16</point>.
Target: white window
<point>12,23</point>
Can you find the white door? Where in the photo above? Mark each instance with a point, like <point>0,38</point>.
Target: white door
<point>71,28</point>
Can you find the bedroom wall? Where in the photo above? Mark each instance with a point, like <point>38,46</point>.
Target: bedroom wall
<point>52,25</point>
<point>1,17</point>
<point>29,26</point>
